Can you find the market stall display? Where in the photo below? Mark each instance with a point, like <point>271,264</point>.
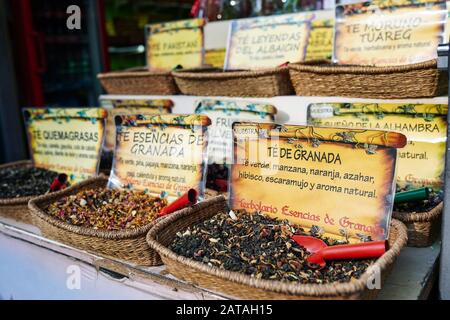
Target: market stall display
<point>111,217</point>
<point>420,163</point>
<point>168,46</point>
<point>388,33</point>
<point>423,227</point>
<point>164,236</point>
<point>79,217</point>
<point>116,107</point>
<point>66,140</point>
<point>57,137</point>
<point>222,114</point>
<point>164,155</point>
<point>20,182</point>
<point>256,52</point>
<point>421,215</point>
<point>231,195</point>
<point>252,250</point>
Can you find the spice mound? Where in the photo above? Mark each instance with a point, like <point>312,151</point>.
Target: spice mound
<point>261,247</point>
<point>25,182</point>
<point>107,209</point>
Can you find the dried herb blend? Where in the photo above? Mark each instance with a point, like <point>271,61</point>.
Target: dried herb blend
<point>107,209</point>
<point>259,246</point>
<point>25,182</point>
<point>433,200</point>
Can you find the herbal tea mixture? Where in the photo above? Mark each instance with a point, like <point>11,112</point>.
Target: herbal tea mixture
<point>107,209</point>
<point>259,246</point>
<point>25,182</point>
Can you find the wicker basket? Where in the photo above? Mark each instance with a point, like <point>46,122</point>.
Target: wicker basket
<point>16,209</point>
<point>139,81</point>
<point>128,245</point>
<point>214,82</point>
<point>423,227</point>
<point>243,286</point>
<point>321,78</point>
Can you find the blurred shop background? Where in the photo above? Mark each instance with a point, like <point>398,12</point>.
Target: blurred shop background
<point>43,63</point>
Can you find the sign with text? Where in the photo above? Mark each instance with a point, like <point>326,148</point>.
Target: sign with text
<point>66,140</point>
<point>266,42</point>
<point>215,57</point>
<point>338,181</point>
<point>374,33</point>
<point>320,43</point>
<point>163,155</point>
<point>421,162</point>
<point>130,107</point>
<point>222,114</point>
<point>175,43</point>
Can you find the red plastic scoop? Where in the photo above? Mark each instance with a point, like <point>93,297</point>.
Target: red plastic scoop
<point>187,199</point>
<point>59,183</point>
<point>320,252</point>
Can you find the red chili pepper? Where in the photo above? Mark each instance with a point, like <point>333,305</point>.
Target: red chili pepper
<point>284,65</point>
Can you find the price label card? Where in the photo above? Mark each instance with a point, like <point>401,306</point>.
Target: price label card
<point>320,44</point>
<point>222,114</point>
<point>175,43</point>
<point>66,140</point>
<point>421,162</point>
<point>338,181</point>
<point>382,34</point>
<point>164,155</point>
<point>266,42</point>
<point>215,57</point>
<point>130,107</point>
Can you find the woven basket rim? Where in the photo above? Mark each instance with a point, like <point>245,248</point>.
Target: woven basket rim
<point>21,200</point>
<point>325,66</point>
<point>426,216</point>
<point>143,72</point>
<point>271,285</point>
<point>204,74</point>
<point>35,206</point>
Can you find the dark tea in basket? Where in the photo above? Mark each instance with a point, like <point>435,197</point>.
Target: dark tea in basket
<point>17,182</point>
<point>261,247</point>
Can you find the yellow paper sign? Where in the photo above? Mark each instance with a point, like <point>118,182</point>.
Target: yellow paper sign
<point>383,34</point>
<point>421,162</point>
<point>337,181</point>
<point>66,140</point>
<point>164,155</point>
<point>222,114</point>
<point>175,43</point>
<point>130,107</point>
<point>215,57</point>
<point>320,44</point>
<point>266,42</point>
